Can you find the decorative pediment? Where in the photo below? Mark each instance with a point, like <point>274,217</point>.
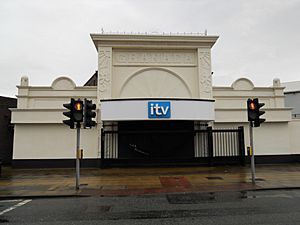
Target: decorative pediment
<point>242,84</point>
<point>63,83</point>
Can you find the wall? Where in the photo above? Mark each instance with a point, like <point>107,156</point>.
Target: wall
<point>269,138</point>
<point>39,131</point>
<point>52,141</point>
<point>272,138</point>
<point>134,77</point>
<point>131,66</point>
<point>294,132</point>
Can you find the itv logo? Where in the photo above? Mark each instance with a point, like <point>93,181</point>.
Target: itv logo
<point>159,110</point>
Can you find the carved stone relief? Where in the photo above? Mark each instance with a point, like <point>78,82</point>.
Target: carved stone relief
<point>205,83</point>
<point>104,75</point>
<point>154,58</point>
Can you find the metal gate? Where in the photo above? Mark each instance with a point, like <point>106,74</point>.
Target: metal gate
<point>211,146</point>
<point>220,145</point>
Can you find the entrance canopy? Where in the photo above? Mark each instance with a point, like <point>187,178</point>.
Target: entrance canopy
<point>157,109</point>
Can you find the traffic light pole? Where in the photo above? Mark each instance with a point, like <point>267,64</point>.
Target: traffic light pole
<point>77,156</point>
<point>252,152</point>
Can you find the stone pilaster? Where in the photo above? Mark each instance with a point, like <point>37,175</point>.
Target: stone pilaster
<point>104,84</point>
<point>23,93</point>
<point>204,73</point>
<point>104,72</point>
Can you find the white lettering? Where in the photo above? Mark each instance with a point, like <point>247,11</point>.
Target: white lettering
<point>151,109</point>
<point>157,112</point>
<point>164,110</point>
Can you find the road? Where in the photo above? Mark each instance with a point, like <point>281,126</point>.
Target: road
<point>260,207</point>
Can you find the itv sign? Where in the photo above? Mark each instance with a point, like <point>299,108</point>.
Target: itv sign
<point>159,110</point>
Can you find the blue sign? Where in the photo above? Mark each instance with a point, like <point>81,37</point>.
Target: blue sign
<point>159,110</point>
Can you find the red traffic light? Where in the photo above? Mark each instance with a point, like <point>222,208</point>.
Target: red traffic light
<point>252,105</point>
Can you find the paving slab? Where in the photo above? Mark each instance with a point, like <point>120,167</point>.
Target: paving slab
<point>143,181</point>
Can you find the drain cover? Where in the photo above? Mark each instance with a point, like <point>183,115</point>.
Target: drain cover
<point>214,178</point>
<point>104,208</point>
<point>260,179</point>
<point>191,198</point>
<point>198,198</point>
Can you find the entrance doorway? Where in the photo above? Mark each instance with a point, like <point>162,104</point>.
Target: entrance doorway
<point>138,143</point>
<point>156,140</point>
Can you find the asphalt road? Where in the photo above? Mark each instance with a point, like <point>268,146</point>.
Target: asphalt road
<point>264,207</point>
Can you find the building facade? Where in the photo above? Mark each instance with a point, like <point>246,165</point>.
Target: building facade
<point>292,97</point>
<point>152,92</point>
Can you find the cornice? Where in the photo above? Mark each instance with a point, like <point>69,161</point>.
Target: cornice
<point>38,110</point>
<point>49,88</point>
<point>255,88</point>
<point>233,97</point>
<point>245,109</point>
<point>56,96</point>
<point>153,41</point>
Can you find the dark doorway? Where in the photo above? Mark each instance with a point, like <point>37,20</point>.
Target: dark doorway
<point>6,129</point>
<point>156,140</point>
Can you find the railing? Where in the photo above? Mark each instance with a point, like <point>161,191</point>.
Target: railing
<point>155,33</point>
<point>222,143</point>
<point>210,144</point>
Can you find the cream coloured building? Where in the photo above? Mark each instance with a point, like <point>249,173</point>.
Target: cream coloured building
<point>154,100</point>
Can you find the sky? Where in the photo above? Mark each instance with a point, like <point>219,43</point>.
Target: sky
<point>45,39</point>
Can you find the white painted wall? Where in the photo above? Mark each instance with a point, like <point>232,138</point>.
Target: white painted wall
<point>52,141</point>
<point>294,136</point>
<point>269,138</point>
<point>39,131</point>
<point>273,137</point>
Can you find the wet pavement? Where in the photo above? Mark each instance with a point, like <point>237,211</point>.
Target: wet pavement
<point>142,181</point>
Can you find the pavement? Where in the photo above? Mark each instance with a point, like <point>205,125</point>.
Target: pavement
<point>30,183</point>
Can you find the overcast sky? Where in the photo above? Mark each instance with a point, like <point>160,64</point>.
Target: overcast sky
<point>44,39</point>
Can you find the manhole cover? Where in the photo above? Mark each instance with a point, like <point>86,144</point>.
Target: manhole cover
<point>198,198</point>
<point>214,178</point>
<point>114,187</point>
<point>104,208</point>
<point>191,198</point>
<point>260,179</point>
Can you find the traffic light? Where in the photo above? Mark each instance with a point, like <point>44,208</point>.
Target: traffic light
<point>254,112</point>
<point>75,114</point>
<point>78,111</point>
<point>70,106</point>
<point>89,114</point>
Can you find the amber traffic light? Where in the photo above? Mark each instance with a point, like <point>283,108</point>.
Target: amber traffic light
<point>78,111</point>
<point>75,112</point>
